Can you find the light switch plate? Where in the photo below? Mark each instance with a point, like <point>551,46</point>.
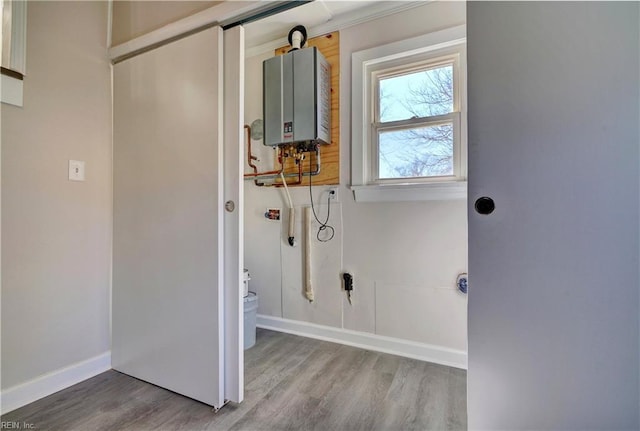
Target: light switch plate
<point>76,170</point>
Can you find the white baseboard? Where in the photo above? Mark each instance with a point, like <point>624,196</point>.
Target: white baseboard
<point>364,340</point>
<point>47,384</point>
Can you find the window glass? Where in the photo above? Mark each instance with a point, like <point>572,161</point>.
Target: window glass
<point>416,152</point>
<point>417,94</point>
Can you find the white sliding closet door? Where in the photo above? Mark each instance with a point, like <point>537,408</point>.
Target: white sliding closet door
<point>553,271</point>
<point>169,223</point>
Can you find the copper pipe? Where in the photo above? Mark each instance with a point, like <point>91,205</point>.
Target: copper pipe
<point>311,173</point>
<point>259,174</point>
<point>251,158</point>
<point>298,181</point>
<point>281,161</point>
<point>276,172</point>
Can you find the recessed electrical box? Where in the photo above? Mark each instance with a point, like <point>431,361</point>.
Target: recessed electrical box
<point>272,214</point>
<point>297,98</point>
<point>76,170</point>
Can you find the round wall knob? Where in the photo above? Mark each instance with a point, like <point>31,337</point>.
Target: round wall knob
<point>485,205</point>
<point>229,206</point>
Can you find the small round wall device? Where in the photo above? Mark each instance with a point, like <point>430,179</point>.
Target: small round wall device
<point>257,129</point>
<point>462,282</point>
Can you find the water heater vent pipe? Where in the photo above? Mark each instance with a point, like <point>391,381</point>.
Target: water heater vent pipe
<point>297,37</point>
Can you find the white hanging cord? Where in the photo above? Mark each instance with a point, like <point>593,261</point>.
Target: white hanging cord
<point>292,213</point>
<point>286,189</point>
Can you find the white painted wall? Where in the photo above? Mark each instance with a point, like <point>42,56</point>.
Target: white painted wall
<point>56,233</point>
<point>404,256</point>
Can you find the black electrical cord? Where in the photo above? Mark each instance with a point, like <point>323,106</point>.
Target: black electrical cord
<point>324,226</point>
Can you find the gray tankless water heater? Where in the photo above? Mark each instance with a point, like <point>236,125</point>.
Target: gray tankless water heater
<point>297,98</point>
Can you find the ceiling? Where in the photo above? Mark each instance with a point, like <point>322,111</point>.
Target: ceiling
<point>319,14</point>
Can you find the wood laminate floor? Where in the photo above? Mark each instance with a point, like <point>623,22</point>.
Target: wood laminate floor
<point>291,383</point>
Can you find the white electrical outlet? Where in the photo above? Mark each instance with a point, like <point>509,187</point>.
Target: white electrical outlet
<point>333,194</point>
<point>76,170</point>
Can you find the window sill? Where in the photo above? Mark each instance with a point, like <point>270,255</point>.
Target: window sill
<point>451,190</point>
<point>11,90</point>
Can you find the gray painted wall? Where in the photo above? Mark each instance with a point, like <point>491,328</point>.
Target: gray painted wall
<point>553,136</point>
<point>56,234</point>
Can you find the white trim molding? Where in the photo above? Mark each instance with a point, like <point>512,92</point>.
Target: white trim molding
<point>364,340</point>
<point>365,67</point>
<point>47,384</point>
<point>436,191</point>
<point>19,37</point>
<point>14,46</point>
<point>215,15</point>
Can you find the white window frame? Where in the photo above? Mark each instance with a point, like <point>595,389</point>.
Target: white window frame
<point>367,68</point>
<point>14,42</point>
